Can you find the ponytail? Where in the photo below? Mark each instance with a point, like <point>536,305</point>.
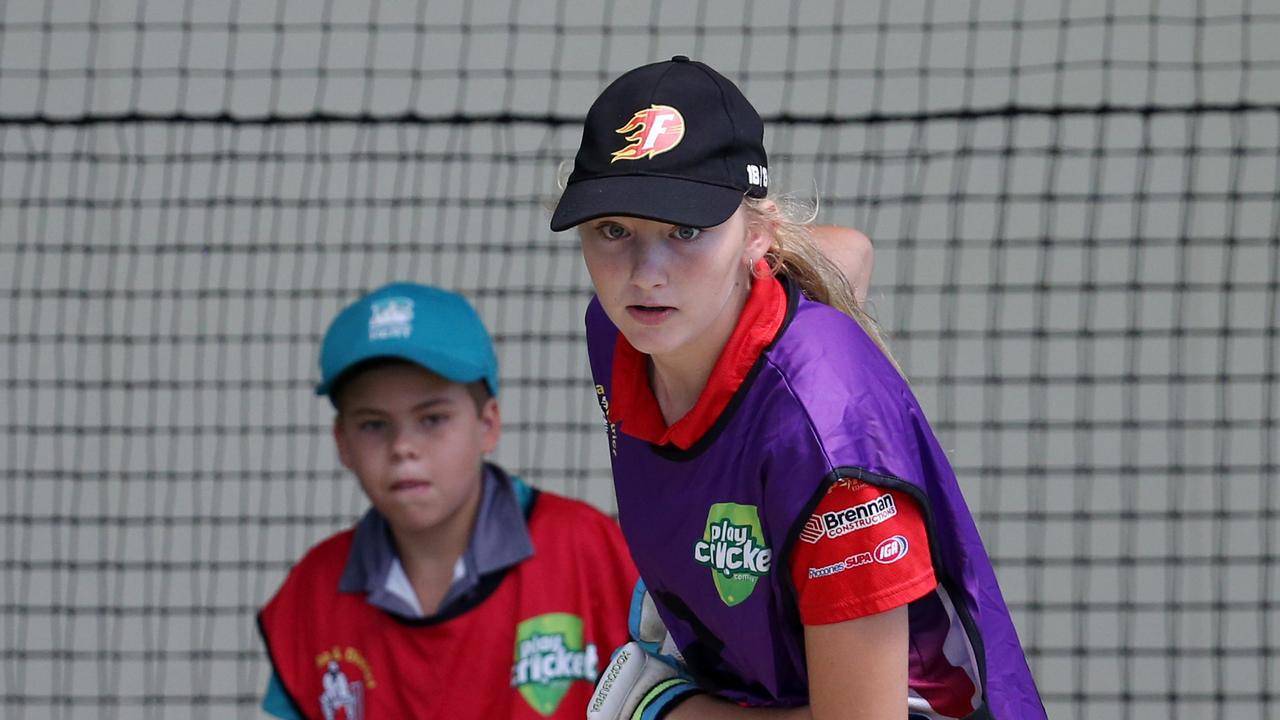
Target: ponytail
<point>794,253</point>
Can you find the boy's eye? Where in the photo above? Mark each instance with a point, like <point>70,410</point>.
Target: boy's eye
<point>371,425</point>
<point>434,419</point>
<point>684,232</point>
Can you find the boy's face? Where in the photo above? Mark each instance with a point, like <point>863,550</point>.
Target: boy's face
<point>416,442</point>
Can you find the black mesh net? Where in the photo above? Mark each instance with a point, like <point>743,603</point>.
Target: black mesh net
<point>1075,217</point>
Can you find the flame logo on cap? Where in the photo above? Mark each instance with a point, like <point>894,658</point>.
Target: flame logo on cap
<point>653,131</point>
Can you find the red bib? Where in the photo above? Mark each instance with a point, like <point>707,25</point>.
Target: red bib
<point>532,649</point>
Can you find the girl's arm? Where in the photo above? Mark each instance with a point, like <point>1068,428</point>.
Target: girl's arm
<point>851,251</point>
<point>857,671</point>
<point>858,668</point>
<point>706,707</point>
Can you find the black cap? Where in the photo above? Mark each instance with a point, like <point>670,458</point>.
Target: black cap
<point>674,141</point>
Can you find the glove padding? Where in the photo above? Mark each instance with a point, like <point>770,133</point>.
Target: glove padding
<point>638,686</point>
<point>645,678</point>
<point>646,627</point>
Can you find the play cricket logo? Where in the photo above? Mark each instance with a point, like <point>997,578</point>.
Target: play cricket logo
<point>653,131</point>
<point>733,546</point>
<point>549,656</point>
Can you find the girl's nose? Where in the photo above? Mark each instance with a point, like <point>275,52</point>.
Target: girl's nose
<point>649,264</point>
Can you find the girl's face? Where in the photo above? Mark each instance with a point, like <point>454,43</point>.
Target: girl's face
<point>672,290</point>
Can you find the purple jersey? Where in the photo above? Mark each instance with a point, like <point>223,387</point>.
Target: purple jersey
<point>711,528</point>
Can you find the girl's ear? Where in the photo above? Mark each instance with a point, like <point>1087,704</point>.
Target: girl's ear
<point>759,231</point>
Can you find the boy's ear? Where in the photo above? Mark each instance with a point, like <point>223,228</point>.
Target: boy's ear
<point>491,424</point>
<point>340,441</point>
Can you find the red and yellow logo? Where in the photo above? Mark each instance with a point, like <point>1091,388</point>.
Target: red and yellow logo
<point>651,131</point>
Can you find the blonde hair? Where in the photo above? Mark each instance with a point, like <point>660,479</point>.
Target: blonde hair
<point>796,254</point>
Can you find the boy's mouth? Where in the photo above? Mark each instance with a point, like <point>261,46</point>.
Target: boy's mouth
<point>409,485</point>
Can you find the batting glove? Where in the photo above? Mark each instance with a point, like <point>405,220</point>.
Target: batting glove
<point>646,628</point>
<point>638,686</point>
<point>645,678</point>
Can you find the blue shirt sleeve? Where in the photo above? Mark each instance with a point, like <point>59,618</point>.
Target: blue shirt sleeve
<point>276,702</point>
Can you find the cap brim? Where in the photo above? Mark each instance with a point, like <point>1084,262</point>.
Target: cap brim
<point>450,369</point>
<point>664,199</point>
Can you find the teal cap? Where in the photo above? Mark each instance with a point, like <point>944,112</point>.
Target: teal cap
<point>434,328</point>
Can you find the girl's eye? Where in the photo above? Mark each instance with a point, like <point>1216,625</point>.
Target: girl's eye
<point>613,231</point>
<point>685,232</point>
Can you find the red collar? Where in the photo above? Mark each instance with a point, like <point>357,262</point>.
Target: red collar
<point>633,403</point>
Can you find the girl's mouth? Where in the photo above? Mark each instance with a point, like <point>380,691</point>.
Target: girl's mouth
<point>650,314</point>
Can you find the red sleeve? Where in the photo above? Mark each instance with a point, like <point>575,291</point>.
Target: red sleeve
<point>863,551</point>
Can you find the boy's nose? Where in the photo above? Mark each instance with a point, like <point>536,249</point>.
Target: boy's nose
<point>405,444</point>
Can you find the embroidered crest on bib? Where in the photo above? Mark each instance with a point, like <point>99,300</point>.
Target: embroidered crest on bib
<point>343,697</point>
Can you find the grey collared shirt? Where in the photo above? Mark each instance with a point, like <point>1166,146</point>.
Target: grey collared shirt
<point>499,540</point>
